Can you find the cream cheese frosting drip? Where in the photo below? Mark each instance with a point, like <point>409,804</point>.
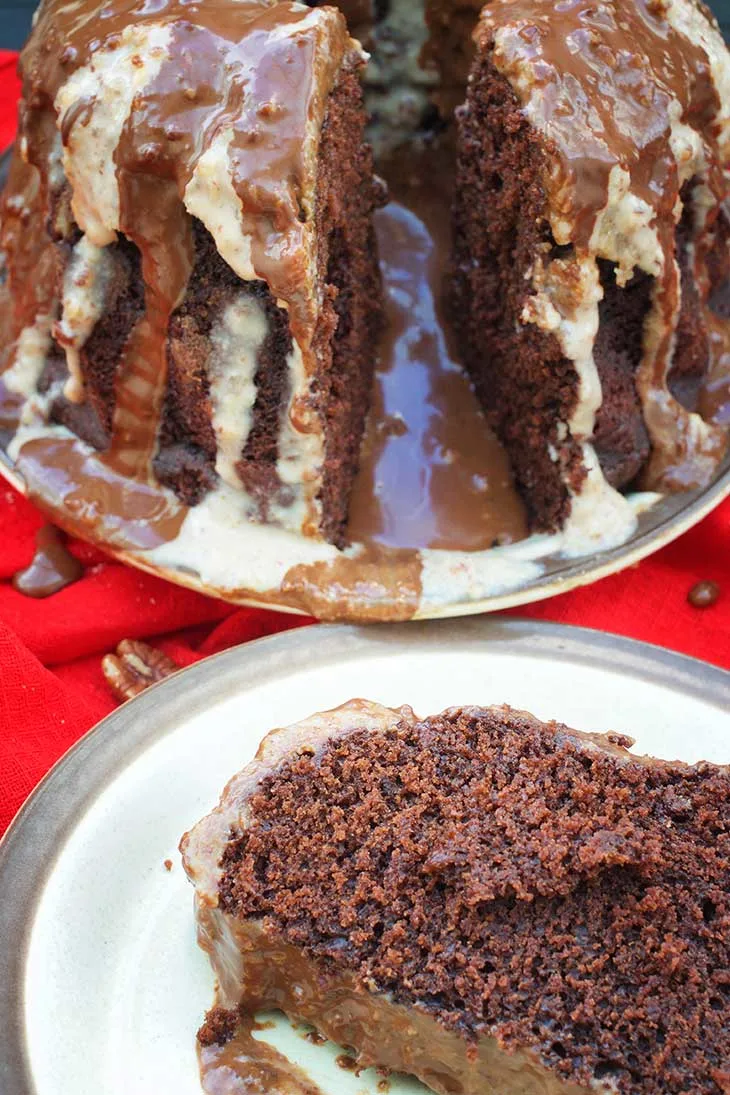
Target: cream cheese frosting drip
<point>633,110</point>
<point>236,340</point>
<point>85,283</point>
<point>173,110</point>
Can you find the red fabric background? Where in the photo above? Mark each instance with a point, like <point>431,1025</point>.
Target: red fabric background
<point>51,686</point>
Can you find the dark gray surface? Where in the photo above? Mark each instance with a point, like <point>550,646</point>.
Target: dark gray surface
<point>14,23</point>
<point>15,20</point>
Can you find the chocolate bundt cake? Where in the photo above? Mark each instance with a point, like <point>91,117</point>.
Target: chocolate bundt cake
<point>192,284</point>
<point>488,902</point>
<point>192,305</point>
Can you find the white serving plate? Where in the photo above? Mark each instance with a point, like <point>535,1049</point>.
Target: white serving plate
<point>103,984</point>
<point>453,583</point>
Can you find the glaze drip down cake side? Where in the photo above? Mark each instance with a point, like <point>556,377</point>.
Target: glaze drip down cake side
<point>493,904</point>
<point>192,308</point>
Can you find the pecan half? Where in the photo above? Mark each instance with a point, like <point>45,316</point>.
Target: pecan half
<point>134,667</point>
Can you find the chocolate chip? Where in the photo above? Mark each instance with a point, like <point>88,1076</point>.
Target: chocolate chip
<point>704,594</point>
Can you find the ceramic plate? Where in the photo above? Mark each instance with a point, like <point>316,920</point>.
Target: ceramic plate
<point>103,983</point>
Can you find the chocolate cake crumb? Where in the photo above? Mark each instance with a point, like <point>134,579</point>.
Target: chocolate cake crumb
<point>347,338</point>
<point>348,1063</point>
<point>523,380</point>
<point>512,879</point>
<point>219,1027</point>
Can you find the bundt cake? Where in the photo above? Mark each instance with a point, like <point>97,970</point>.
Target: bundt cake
<point>192,300</point>
<point>496,905</point>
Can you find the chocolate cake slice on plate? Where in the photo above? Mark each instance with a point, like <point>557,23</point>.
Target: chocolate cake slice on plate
<point>488,902</point>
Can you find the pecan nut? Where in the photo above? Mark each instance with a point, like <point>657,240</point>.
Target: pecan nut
<point>134,667</point>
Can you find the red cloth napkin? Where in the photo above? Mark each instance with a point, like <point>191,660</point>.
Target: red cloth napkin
<point>51,685</point>
<point>9,92</point>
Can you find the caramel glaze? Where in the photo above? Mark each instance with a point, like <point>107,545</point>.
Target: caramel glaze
<point>432,473</point>
<point>268,973</point>
<point>602,81</point>
<point>227,67</point>
<point>246,1065</point>
<point>378,584</point>
<point>97,500</point>
<point>52,567</point>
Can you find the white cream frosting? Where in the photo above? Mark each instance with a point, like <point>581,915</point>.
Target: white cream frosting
<point>624,232</point>
<point>29,359</point>
<point>301,450</point>
<point>220,542</point>
<point>109,84</point>
<point>31,352</point>
<point>85,283</point>
<point>56,176</point>
<point>565,304</point>
<point>210,196</point>
<point>236,339</point>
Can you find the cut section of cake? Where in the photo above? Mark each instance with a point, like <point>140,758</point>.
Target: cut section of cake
<point>192,186</point>
<point>488,902</point>
<point>591,248</point>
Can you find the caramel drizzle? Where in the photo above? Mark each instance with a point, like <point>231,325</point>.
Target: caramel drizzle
<point>432,475</point>
<point>52,567</point>
<point>247,1064</point>
<point>608,77</point>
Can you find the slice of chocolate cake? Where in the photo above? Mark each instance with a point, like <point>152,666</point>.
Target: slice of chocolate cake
<point>193,191</point>
<point>488,902</point>
<point>591,245</point>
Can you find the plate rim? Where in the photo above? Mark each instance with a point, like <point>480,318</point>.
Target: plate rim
<point>577,572</point>
<point>36,837</point>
